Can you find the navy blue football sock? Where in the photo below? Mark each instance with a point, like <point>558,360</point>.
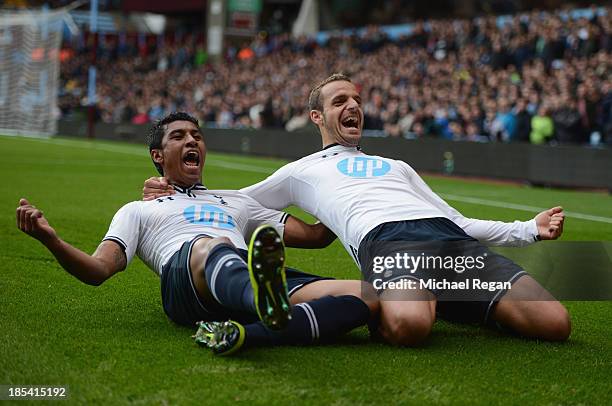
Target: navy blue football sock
<point>319,320</point>
<point>227,277</point>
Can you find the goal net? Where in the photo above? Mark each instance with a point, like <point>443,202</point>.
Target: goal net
<point>29,71</point>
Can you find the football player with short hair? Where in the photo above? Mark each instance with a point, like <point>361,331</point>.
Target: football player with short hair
<point>372,202</point>
<point>368,200</point>
<point>195,241</point>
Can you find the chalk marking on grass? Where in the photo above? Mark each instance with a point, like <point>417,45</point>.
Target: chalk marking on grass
<point>242,167</point>
<point>522,207</point>
<point>85,144</point>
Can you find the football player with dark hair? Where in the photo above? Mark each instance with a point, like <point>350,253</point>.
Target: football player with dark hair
<point>373,203</point>
<point>195,241</point>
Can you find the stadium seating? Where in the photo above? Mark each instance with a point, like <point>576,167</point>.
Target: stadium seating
<point>539,77</point>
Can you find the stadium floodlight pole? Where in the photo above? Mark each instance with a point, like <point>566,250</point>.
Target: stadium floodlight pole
<point>91,83</point>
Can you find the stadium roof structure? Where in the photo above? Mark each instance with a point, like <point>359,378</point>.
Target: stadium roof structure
<point>113,22</point>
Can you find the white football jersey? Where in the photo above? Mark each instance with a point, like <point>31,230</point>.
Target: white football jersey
<point>156,229</point>
<point>351,193</point>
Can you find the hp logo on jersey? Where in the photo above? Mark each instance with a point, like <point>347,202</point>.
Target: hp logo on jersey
<point>208,215</point>
<point>359,167</point>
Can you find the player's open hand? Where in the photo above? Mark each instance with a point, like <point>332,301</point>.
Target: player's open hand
<point>550,223</point>
<point>156,187</point>
<point>31,221</point>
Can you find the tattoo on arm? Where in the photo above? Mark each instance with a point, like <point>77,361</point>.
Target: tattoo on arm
<point>119,258</point>
<point>111,253</point>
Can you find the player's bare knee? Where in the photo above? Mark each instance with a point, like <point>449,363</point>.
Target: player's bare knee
<point>558,324</point>
<point>200,251</point>
<point>407,330</point>
<point>219,240</point>
<point>552,322</point>
<point>204,246</point>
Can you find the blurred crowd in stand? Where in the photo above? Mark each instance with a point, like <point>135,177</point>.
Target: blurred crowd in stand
<point>538,77</point>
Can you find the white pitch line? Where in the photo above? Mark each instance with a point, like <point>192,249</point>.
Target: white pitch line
<point>140,152</point>
<point>86,144</point>
<point>257,169</point>
<point>522,207</point>
<point>242,167</point>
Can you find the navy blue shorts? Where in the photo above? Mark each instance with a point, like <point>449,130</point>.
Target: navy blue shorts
<point>183,305</point>
<point>466,277</point>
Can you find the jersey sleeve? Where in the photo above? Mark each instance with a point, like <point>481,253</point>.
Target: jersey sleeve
<point>125,229</point>
<point>494,233</point>
<point>274,192</point>
<point>259,215</point>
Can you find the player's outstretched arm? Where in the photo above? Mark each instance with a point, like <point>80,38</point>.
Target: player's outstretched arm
<point>108,259</point>
<point>490,232</point>
<point>547,225</point>
<point>301,235</point>
<point>156,187</point>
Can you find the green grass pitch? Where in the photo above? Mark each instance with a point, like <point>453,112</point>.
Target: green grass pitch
<point>113,344</point>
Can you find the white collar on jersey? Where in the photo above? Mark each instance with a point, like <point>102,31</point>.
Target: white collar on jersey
<point>189,189</point>
<point>335,144</point>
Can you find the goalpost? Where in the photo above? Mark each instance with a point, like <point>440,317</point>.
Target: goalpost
<point>29,71</point>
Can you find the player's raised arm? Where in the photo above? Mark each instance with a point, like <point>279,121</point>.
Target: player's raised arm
<point>155,187</point>
<point>301,235</point>
<point>108,259</point>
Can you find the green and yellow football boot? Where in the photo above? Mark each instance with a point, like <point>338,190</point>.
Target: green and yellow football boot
<point>222,337</point>
<point>267,272</point>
